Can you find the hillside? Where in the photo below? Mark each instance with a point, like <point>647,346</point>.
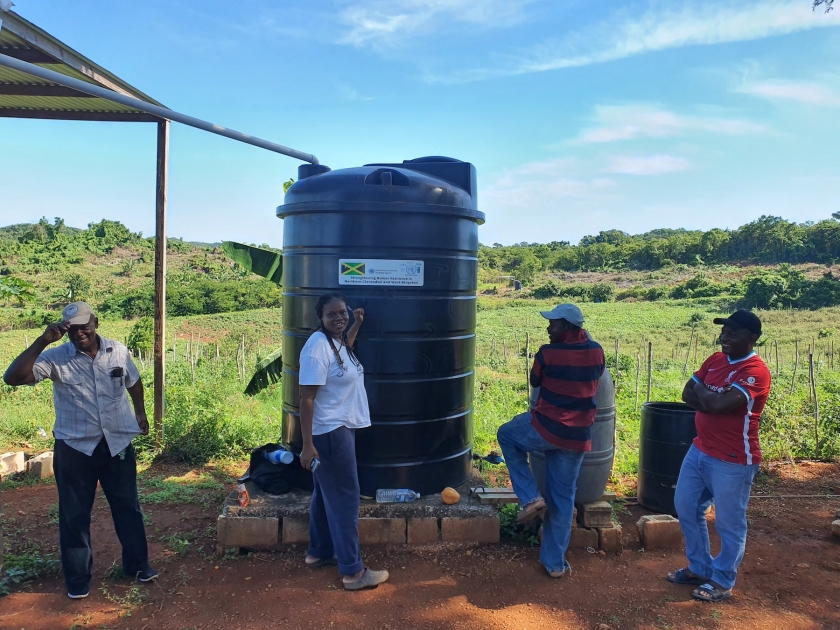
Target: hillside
<point>768,263</point>
<point>113,269</point>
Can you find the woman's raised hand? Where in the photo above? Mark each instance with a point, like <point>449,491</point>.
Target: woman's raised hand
<point>359,314</point>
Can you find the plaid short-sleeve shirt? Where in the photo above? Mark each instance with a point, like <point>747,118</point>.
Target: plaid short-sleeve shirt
<point>89,395</point>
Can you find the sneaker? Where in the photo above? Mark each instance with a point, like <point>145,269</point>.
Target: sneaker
<point>531,511</point>
<point>147,575</point>
<point>370,578</point>
<point>78,595</point>
<point>567,570</point>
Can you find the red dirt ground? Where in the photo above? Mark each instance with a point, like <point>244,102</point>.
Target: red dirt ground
<point>790,578</point>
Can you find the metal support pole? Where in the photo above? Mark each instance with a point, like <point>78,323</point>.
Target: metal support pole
<point>160,276</point>
<point>143,106</point>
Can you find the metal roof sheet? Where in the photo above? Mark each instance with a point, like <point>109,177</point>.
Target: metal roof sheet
<point>26,96</point>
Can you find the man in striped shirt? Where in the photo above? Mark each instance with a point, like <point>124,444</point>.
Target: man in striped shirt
<point>566,371</point>
<point>94,426</point>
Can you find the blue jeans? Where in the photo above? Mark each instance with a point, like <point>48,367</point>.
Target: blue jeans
<point>334,511</point>
<point>702,479</point>
<point>518,438</point>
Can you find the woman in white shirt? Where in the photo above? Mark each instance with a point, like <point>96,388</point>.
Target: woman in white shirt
<point>333,404</point>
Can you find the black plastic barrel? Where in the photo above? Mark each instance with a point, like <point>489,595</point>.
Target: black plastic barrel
<point>597,463</point>
<point>400,241</point>
<point>665,436</point>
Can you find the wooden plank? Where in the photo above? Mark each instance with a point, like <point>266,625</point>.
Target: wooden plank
<point>497,499</point>
<point>57,114</point>
<point>28,89</point>
<point>160,276</point>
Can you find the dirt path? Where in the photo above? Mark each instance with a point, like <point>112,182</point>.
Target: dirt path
<point>790,578</point>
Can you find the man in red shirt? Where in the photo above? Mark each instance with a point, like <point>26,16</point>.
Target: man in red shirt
<point>728,393</point>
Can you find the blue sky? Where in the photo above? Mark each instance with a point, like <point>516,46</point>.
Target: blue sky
<point>579,116</point>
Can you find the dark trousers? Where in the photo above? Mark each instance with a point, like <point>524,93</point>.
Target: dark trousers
<point>334,512</point>
<point>76,475</point>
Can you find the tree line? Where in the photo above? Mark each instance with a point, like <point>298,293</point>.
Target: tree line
<point>767,240</point>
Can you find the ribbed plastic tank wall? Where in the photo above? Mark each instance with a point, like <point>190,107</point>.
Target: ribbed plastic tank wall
<point>400,241</point>
<point>597,463</point>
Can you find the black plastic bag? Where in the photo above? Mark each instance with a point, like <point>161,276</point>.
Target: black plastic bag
<point>276,478</point>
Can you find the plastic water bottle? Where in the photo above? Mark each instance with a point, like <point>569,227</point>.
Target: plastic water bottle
<point>280,456</point>
<point>401,495</point>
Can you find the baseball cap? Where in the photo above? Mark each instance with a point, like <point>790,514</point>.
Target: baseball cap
<point>741,319</point>
<point>569,312</point>
<point>77,313</point>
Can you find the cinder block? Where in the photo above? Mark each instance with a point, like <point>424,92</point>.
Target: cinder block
<point>381,531</point>
<point>242,531</point>
<point>479,529</point>
<point>41,467</point>
<point>835,528</point>
<point>596,514</point>
<point>423,531</point>
<point>610,540</point>
<point>295,529</point>
<point>583,538</point>
<point>659,531</point>
<point>608,495</point>
<point>11,463</point>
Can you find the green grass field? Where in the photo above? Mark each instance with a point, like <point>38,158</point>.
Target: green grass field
<point>207,416</point>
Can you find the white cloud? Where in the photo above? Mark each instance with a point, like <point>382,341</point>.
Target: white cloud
<point>536,183</point>
<point>627,122</point>
<point>349,93</point>
<point>387,23</point>
<point>810,93</point>
<point>648,164</point>
<point>697,23</point>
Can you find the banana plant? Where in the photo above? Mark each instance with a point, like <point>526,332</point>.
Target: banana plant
<point>267,264</point>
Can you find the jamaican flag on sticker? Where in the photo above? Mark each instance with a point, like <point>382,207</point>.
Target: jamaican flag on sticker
<point>352,269</point>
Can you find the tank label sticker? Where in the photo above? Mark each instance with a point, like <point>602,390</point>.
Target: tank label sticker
<point>402,273</point>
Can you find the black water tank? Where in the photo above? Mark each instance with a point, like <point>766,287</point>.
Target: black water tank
<point>664,439</point>
<point>400,241</point>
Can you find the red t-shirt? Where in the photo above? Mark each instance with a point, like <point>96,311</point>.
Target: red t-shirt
<point>733,436</point>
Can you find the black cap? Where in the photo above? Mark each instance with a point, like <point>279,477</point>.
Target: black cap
<point>741,319</point>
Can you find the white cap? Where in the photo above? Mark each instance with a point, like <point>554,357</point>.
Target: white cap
<point>77,313</point>
<point>569,312</point>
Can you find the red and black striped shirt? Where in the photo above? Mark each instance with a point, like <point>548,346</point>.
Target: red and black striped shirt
<point>567,374</point>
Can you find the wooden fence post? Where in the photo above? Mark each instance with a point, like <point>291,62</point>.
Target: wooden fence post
<point>650,369</point>
<point>638,369</point>
<point>795,366</point>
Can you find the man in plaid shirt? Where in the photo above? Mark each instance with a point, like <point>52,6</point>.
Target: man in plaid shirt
<point>94,426</point>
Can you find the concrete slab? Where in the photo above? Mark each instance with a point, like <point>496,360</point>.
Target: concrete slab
<point>257,533</point>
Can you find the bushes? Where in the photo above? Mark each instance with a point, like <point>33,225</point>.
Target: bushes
<point>142,335</point>
<point>197,298</point>
<point>600,292</point>
<point>789,288</point>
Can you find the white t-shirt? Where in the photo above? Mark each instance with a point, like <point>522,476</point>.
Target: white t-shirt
<point>341,400</point>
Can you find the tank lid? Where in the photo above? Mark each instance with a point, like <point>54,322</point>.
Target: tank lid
<point>426,184</point>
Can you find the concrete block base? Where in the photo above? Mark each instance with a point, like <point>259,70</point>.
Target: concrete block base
<point>596,514</point>
<point>659,531</point>
<point>610,539</point>
<point>41,467</point>
<point>583,538</point>
<point>835,528</point>
<point>271,521</point>
<point>11,463</point>
<point>253,533</point>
